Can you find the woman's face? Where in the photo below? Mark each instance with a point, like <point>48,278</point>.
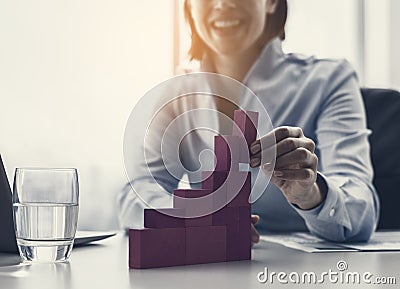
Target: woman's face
<point>229,27</point>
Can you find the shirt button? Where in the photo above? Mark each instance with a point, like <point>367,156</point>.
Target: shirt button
<point>331,212</point>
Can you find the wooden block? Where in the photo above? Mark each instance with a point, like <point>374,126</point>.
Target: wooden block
<point>205,244</point>
<point>226,150</point>
<point>238,231</point>
<point>196,202</point>
<point>151,248</point>
<point>226,216</point>
<point>212,180</point>
<point>229,217</point>
<point>246,125</point>
<point>161,218</point>
<point>203,221</point>
<point>216,182</point>
<point>243,240</point>
<point>232,186</point>
<point>240,149</point>
<point>238,189</point>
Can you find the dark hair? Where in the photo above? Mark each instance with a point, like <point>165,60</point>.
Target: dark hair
<point>274,26</point>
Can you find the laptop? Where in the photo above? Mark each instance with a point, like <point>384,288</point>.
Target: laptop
<point>8,243</point>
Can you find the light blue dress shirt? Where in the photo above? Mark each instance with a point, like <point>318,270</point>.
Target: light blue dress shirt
<point>322,97</point>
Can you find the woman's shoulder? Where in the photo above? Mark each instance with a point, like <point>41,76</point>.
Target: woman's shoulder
<point>322,66</point>
<point>322,76</point>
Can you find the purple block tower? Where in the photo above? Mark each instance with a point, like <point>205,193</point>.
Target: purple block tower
<point>226,149</point>
<point>161,247</point>
<point>224,235</point>
<point>246,125</point>
<point>194,202</point>
<point>163,218</point>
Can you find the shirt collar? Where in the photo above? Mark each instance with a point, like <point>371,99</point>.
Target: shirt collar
<point>270,56</point>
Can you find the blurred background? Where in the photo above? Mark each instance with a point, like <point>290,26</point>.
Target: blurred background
<point>71,71</point>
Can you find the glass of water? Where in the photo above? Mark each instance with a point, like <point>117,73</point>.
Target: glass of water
<point>45,203</point>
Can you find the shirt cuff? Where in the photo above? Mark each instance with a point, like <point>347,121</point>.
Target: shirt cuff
<point>332,209</point>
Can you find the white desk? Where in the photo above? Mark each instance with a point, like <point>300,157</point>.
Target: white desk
<point>105,265</point>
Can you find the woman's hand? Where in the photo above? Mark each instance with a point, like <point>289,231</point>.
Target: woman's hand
<point>255,236</point>
<point>295,171</point>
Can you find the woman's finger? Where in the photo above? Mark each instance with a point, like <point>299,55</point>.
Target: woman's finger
<point>291,144</point>
<point>275,137</point>
<point>261,153</point>
<point>301,158</point>
<point>255,219</point>
<point>255,236</point>
<point>284,147</point>
<point>255,161</point>
<point>295,175</point>
<point>255,147</point>
<point>267,155</point>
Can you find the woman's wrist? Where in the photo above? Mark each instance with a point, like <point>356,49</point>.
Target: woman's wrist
<point>312,199</point>
<point>316,197</point>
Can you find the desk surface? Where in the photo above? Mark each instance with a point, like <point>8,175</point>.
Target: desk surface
<point>105,265</point>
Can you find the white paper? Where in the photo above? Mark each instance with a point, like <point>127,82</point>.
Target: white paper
<point>305,242</point>
<point>380,241</point>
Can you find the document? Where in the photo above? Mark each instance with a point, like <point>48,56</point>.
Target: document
<point>380,241</point>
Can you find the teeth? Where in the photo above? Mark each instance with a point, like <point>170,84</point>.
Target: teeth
<point>226,24</point>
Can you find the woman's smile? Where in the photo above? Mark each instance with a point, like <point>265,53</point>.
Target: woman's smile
<point>227,25</point>
<point>226,28</point>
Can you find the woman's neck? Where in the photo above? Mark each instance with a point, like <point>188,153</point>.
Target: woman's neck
<point>237,65</point>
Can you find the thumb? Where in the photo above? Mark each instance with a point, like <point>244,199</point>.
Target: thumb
<point>255,219</point>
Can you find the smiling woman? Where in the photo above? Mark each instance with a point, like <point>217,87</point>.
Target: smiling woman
<point>322,177</point>
<point>229,22</point>
<point>223,28</point>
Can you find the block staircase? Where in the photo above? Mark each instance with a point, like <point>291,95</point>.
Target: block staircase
<point>225,234</point>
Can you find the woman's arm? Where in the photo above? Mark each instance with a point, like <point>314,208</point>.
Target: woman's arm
<point>333,193</point>
<point>351,208</point>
